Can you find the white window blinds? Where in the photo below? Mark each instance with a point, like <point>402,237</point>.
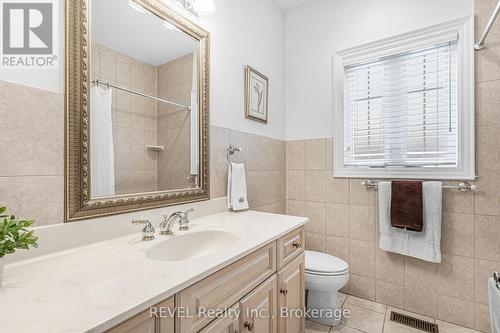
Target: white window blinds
<point>401,110</point>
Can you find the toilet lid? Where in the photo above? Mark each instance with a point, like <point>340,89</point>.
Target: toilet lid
<point>324,263</point>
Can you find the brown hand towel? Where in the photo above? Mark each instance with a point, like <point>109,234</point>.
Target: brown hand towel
<point>407,205</point>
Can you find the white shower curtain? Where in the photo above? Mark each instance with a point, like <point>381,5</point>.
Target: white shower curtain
<point>102,157</point>
<point>194,118</point>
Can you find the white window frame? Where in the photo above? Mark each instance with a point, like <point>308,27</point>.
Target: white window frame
<point>464,29</point>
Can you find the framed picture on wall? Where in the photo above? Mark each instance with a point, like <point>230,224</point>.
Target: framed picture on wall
<point>256,95</point>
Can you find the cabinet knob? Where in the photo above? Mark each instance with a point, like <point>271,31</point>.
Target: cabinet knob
<point>284,292</point>
<point>296,245</point>
<point>248,326</point>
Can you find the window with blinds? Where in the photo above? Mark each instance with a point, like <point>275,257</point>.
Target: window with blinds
<point>402,109</point>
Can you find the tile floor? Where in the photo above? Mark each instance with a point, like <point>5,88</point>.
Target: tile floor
<point>370,317</point>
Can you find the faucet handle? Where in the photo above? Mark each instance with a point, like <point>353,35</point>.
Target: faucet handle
<point>186,213</point>
<point>148,233</point>
<point>184,220</point>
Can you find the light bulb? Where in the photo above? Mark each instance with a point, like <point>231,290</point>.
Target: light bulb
<point>204,7</point>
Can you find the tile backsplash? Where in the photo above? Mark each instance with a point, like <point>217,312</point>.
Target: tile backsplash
<point>344,223</point>
<point>32,181</point>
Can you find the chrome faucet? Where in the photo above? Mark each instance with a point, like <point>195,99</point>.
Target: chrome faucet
<point>168,222</point>
<point>148,233</point>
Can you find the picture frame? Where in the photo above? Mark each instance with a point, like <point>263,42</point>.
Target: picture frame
<point>256,95</point>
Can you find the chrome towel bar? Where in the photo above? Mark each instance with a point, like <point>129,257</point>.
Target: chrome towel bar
<point>371,184</point>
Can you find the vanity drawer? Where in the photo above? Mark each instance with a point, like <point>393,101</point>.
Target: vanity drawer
<point>290,245</point>
<point>225,288</point>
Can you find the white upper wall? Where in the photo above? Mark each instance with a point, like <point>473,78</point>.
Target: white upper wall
<point>246,32</point>
<point>315,32</point>
<point>243,32</point>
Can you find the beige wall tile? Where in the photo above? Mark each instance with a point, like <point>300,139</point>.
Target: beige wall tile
<point>482,316</point>
<point>27,116</point>
<point>483,271</point>
<point>488,148</point>
<point>275,208</point>
<point>316,212</point>
<point>337,190</point>
<point>456,277</point>
<point>457,235</point>
<point>34,197</point>
<point>359,195</point>
<point>315,154</point>
<point>458,202</point>
<point>362,222</point>
<point>361,286</point>
<point>487,198</point>
<point>238,139</point>
<point>218,184</point>
<point>422,301</point>
<point>316,186</point>
<point>456,311</point>
<point>420,274</point>
<point>253,152</point>
<point>329,154</point>
<point>390,293</point>
<point>390,267</point>
<point>487,101</point>
<point>338,247</point>
<point>362,258</point>
<point>219,141</point>
<point>487,234</point>
<point>315,242</point>
<point>296,185</point>
<point>337,220</point>
<point>296,155</point>
<point>487,61</point>
<point>296,208</point>
<point>271,153</point>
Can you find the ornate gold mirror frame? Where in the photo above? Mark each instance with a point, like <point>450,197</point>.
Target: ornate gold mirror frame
<point>78,204</point>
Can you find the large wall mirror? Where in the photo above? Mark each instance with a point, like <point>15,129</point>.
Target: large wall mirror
<point>137,107</point>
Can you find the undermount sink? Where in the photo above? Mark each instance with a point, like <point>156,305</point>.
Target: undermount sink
<point>191,246</point>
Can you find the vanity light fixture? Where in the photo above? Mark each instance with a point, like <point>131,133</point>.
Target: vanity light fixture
<point>201,7</point>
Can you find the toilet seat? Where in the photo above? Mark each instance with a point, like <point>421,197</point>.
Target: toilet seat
<point>322,264</point>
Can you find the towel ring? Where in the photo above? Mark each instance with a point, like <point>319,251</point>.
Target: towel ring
<point>230,151</point>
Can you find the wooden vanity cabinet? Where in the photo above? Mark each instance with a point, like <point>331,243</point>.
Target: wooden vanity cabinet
<point>230,323</point>
<point>145,322</point>
<point>291,296</point>
<point>259,308</point>
<point>252,291</point>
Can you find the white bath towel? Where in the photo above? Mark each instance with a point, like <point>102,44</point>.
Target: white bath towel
<point>425,245</point>
<point>237,187</point>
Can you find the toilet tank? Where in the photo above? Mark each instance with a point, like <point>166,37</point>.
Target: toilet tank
<point>494,295</point>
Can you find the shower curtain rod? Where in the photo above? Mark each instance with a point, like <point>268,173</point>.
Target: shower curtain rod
<point>107,84</point>
<point>480,43</point>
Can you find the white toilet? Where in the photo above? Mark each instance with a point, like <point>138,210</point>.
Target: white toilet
<point>324,275</point>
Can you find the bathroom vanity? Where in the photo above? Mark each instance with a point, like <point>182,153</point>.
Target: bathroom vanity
<point>244,267</point>
<point>253,290</point>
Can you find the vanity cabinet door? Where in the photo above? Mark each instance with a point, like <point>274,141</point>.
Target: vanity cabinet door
<point>291,297</point>
<point>229,323</point>
<point>145,322</point>
<point>258,309</point>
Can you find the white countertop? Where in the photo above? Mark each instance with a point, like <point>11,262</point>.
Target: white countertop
<point>94,287</point>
